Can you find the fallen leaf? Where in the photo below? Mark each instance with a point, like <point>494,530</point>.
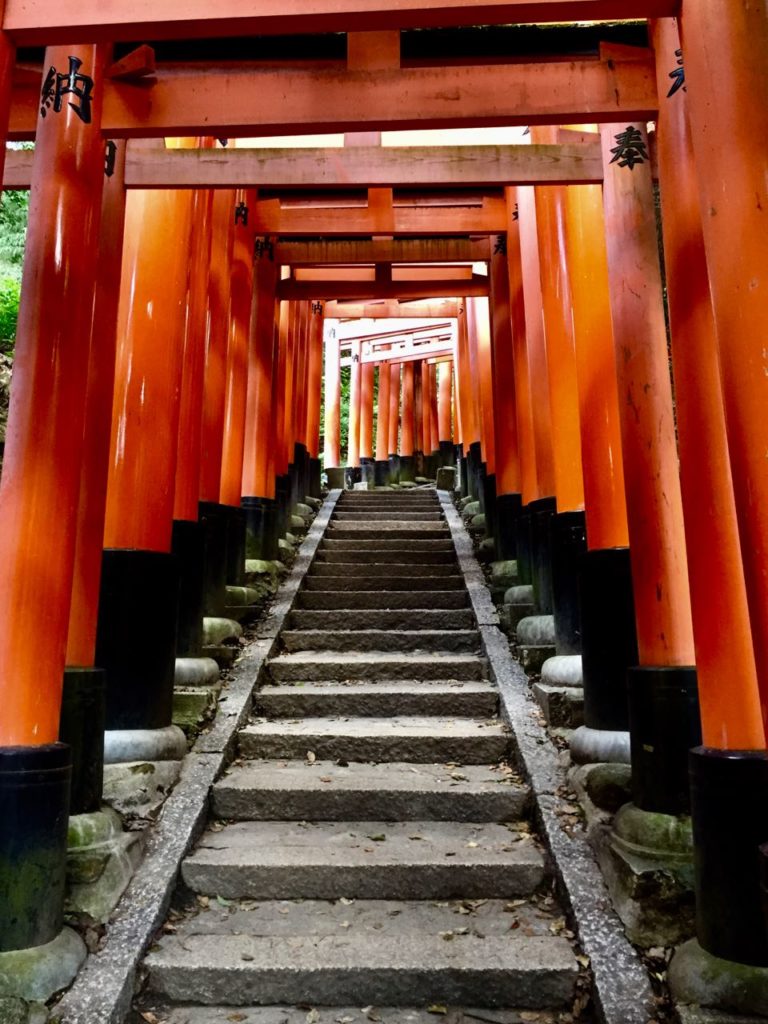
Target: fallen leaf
<point>437,1008</point>
<point>472,845</point>
<point>311,758</point>
<point>150,1018</point>
<point>312,1017</point>
<point>346,902</point>
<point>237,1016</point>
<point>381,838</point>
<point>246,956</point>
<point>326,778</point>
<point>447,936</point>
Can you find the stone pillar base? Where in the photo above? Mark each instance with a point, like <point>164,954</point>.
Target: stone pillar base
<point>121,745</point>
<point>101,860</point>
<point>696,976</point>
<point>597,746</point>
<point>37,973</point>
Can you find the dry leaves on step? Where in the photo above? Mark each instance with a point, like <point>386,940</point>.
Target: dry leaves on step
<point>311,758</point>
<point>312,1017</point>
<point>237,1017</point>
<point>437,1008</point>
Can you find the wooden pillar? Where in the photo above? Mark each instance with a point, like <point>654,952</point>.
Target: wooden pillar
<point>426,405</point>
<point>44,441</point>
<point>418,411</point>
<point>81,638</point>
<point>444,400</point>
<point>301,372</point>
<point>217,331</point>
<point>314,377</point>
<point>407,424</point>
<point>280,392</point>
<point>366,410</point>
<point>353,441</point>
<point>332,455</point>
<point>433,417</point>
<point>728,690</point>
<point>504,405</point>
<point>382,413</point>
<point>257,481</point>
<point>394,409</point>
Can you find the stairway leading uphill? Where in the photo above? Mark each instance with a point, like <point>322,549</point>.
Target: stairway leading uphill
<point>370,846</point>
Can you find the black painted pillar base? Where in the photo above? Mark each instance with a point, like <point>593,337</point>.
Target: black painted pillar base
<point>508,509</point>
<point>81,727</point>
<point>235,545</point>
<point>489,503</point>
<point>367,471</point>
<point>418,463</point>
<point>664,725</point>
<point>335,476</point>
<point>315,475</point>
<point>473,471</point>
<point>282,497</point>
<point>394,469</point>
<point>136,636</point>
<point>293,487</point>
<point>407,469</point>
<point>542,510</point>
<point>188,545</point>
<point>569,545</point>
<point>261,528</point>
<point>214,519</point>
<point>34,811</point>
<point>352,475</point>
<point>608,636</point>
<point>381,473</point>
<point>524,543</point>
<point>729,807</point>
<point>301,462</point>
<point>447,453</point>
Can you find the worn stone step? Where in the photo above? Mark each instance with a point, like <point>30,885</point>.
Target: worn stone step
<point>345,581</point>
<point>371,860</point>
<point>392,530</point>
<point>305,666</point>
<point>398,791</point>
<point>376,600</point>
<point>400,738</point>
<point>382,544</point>
<point>386,517</point>
<point>361,640</point>
<point>366,952</point>
<point>425,618</point>
<point>377,570</point>
<point>376,699</point>
<point>384,556</point>
<point>187,1014</point>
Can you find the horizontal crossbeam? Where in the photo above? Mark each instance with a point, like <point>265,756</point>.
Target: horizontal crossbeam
<point>437,310</point>
<point>290,289</point>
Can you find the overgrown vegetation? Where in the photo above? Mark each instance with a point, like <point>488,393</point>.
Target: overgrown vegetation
<point>14,210</point>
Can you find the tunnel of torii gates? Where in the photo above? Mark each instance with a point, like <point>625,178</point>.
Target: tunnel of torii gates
<point>167,382</point>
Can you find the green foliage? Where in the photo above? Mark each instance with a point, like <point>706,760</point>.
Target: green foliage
<point>9,312</point>
<point>14,212</point>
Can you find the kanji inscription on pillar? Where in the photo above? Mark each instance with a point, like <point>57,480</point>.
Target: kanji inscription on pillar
<point>57,85</point>
<point>241,214</point>
<point>678,76</point>
<point>630,149</point>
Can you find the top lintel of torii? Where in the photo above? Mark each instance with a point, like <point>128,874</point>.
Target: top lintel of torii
<point>45,22</point>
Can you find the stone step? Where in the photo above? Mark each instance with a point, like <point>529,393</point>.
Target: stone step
<point>370,860</point>
<point>381,584</point>
<point>376,699</point>
<point>306,666</point>
<point>389,556</point>
<point>376,570</point>
<point>383,544</point>
<point>425,618</point>
<point>391,530</point>
<point>377,952</point>
<point>187,1014</point>
<point>376,600</point>
<point>397,791</point>
<point>399,738</point>
<point>367,499</point>
<point>361,640</point>
<point>386,517</point>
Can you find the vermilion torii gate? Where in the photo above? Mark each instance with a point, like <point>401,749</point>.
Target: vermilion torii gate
<point>582,446</point>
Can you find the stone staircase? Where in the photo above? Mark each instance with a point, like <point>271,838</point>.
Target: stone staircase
<point>369,846</point>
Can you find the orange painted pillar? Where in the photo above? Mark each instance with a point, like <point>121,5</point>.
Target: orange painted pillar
<point>466,380</point>
<point>332,454</point>
<point>316,331</point>
<point>44,439</point>
<point>289,405</point>
<point>381,468</point>
<point>728,690</point>
<point>407,424</point>
<point>366,422</point>
<point>508,500</point>
<point>217,333</point>
<point>81,638</point>
<point>426,404</point>
<point>394,371</point>
<point>278,431</point>
<point>444,400</point>
<point>434,428</point>
<point>7,64</point>
<point>418,419</point>
<point>140,578</point>
<point>353,438</point>
<point>654,506</point>
<point>300,457</point>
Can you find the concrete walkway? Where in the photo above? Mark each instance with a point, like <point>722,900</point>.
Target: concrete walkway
<point>369,847</point>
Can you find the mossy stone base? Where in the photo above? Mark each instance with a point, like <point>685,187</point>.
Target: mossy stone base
<point>17,1011</point>
<point>137,790</point>
<point>101,860</point>
<point>486,550</point>
<point>476,524</point>
<point>37,973</point>
<point>408,484</point>
<point>216,630</point>
<point>696,976</point>
<point>194,705</point>
<point>195,672</point>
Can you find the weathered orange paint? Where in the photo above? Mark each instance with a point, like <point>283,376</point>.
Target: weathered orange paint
<point>353,438</point>
<point>44,440</point>
<point>236,394</point>
<point>444,400</point>
<point>478,320</point>
<point>332,455</point>
<point>258,481</point>
<point>525,432</point>
<point>538,374</point>
<point>301,369</point>
<point>185,505</point>
<point>433,416</point>
<point>279,445</point>
<point>145,415</point>
<point>217,332</point>
<point>406,413</point>
<point>7,63</point>
<point>83,616</point>
<point>725,48</point>
<point>470,420</point>
<point>314,377</point>
<point>654,505</point>
<point>394,407</point>
<point>606,506</point>
<point>504,403</point>
<point>426,401</point>
<point>729,696</point>
<point>366,410</point>
<point>288,337</point>
<point>382,413</point>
